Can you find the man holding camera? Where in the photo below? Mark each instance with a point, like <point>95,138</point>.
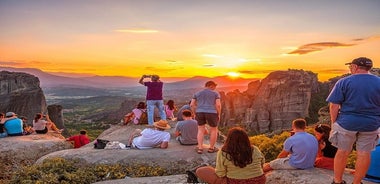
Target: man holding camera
<point>154,96</point>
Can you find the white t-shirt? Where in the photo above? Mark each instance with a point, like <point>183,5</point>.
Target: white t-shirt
<point>39,125</point>
<point>150,138</point>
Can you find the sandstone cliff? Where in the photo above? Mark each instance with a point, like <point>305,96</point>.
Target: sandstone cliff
<point>21,93</point>
<point>272,103</point>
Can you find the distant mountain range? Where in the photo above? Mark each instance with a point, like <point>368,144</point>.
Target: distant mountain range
<point>49,80</point>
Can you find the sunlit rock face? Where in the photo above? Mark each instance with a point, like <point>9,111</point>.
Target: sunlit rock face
<point>272,103</point>
<point>21,93</point>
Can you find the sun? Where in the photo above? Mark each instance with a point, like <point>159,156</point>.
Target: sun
<point>233,74</point>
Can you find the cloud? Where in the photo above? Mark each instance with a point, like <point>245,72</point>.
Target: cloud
<point>366,39</point>
<point>9,63</point>
<point>138,31</point>
<point>255,71</point>
<point>313,47</point>
<point>208,65</point>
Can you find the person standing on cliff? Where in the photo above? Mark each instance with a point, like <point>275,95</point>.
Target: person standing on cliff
<point>207,108</point>
<point>154,96</point>
<point>355,117</point>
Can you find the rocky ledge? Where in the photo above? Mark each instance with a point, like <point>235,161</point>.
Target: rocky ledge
<point>25,150</point>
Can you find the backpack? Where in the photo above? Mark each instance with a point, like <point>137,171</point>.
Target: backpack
<point>100,143</point>
<point>143,118</point>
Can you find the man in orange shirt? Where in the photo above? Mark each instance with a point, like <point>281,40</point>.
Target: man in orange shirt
<point>79,140</point>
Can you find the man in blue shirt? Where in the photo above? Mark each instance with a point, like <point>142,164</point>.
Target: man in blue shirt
<point>355,117</point>
<point>13,125</point>
<point>299,152</point>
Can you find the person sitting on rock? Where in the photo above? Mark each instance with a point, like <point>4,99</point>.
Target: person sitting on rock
<point>12,124</point>
<point>373,173</point>
<point>27,129</point>
<point>326,151</point>
<point>43,126</point>
<point>299,152</point>
<point>186,131</point>
<point>169,109</point>
<point>151,138</point>
<point>136,113</point>
<point>237,162</point>
<point>79,140</point>
<point>184,107</point>
<point>3,133</point>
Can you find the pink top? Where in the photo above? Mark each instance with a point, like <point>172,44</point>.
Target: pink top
<point>169,113</point>
<point>137,113</point>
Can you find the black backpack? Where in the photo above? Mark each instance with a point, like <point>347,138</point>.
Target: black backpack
<point>100,143</point>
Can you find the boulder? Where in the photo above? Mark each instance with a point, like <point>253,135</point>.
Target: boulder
<point>21,93</point>
<point>270,105</point>
<point>176,159</point>
<point>25,150</point>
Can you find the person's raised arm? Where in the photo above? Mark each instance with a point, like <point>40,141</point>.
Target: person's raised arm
<point>141,81</point>
<point>193,106</point>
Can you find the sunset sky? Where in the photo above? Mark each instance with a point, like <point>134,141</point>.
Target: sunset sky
<point>179,38</point>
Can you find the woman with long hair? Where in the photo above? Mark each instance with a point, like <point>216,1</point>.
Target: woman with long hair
<point>237,162</point>
<point>169,109</point>
<point>326,151</point>
<point>43,126</point>
<point>136,114</point>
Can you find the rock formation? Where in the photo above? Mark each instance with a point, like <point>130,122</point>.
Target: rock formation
<point>175,160</point>
<point>21,93</point>
<point>272,103</point>
<point>19,151</point>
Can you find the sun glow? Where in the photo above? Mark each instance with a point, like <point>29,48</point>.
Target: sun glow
<point>233,74</point>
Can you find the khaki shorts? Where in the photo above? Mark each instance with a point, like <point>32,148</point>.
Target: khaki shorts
<point>281,163</point>
<point>344,139</point>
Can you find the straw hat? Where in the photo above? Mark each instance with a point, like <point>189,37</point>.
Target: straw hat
<point>163,124</point>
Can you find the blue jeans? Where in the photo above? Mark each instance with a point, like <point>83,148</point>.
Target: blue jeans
<point>151,104</point>
<point>3,134</point>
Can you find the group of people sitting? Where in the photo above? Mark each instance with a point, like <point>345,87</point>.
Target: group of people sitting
<point>12,125</point>
<point>139,114</point>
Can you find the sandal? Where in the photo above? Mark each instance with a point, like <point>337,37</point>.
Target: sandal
<point>343,182</point>
<point>213,150</point>
<point>199,150</point>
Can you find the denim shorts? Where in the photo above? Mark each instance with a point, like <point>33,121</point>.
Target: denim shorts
<point>344,139</point>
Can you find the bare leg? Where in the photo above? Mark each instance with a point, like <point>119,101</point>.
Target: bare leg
<point>213,136</point>
<point>134,134</point>
<point>207,174</point>
<point>362,164</point>
<point>52,126</point>
<point>340,162</point>
<point>201,131</point>
<point>267,168</point>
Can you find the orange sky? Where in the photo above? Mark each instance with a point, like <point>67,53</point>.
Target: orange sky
<point>188,38</point>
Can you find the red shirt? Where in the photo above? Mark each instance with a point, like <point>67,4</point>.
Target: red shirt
<point>79,140</point>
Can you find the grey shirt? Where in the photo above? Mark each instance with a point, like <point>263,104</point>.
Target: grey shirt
<point>189,131</point>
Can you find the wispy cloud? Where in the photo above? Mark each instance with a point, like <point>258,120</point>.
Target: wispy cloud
<point>208,65</point>
<point>9,63</point>
<point>255,71</point>
<point>366,39</point>
<point>313,47</point>
<point>138,31</point>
